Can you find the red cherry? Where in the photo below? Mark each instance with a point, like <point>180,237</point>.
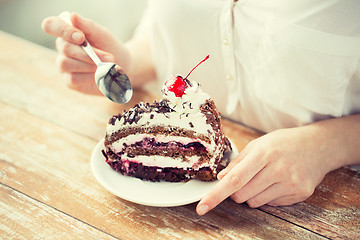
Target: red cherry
<point>177,85</point>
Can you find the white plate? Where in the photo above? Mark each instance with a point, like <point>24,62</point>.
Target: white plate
<point>157,194</point>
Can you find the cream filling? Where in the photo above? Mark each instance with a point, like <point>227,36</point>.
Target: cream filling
<point>162,161</point>
<point>118,145</point>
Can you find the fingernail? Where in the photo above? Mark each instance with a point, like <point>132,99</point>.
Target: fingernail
<point>221,174</point>
<point>107,58</point>
<point>202,209</point>
<point>79,15</point>
<point>76,36</point>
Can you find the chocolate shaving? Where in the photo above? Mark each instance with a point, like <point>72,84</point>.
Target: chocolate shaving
<point>113,119</point>
<point>103,153</point>
<point>183,104</point>
<point>187,82</point>
<point>135,114</point>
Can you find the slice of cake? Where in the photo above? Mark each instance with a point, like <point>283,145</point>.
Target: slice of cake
<point>175,139</point>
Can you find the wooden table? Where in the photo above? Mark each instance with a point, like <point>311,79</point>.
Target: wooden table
<point>47,190</point>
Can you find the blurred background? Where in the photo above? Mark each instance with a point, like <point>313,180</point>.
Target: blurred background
<point>23,17</point>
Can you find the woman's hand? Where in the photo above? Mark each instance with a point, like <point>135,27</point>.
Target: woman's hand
<point>72,60</point>
<point>284,167</point>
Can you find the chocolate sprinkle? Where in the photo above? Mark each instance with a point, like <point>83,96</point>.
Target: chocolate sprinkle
<point>134,114</point>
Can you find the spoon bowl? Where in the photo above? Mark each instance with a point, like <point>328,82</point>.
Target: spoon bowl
<point>113,82</point>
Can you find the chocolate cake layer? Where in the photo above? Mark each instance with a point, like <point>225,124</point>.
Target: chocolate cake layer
<point>155,174</point>
<point>158,130</point>
<point>149,147</point>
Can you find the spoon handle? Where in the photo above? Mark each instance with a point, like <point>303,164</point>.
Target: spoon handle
<point>85,45</point>
<point>90,51</point>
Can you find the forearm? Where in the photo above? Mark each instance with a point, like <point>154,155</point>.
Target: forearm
<point>340,137</point>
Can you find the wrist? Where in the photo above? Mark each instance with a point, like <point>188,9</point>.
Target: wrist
<point>123,57</point>
<point>339,138</point>
<point>140,63</point>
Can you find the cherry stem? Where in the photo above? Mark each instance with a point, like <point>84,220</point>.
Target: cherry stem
<point>206,58</point>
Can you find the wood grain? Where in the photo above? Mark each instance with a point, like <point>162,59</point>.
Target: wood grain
<point>47,133</point>
<point>333,210</point>
<point>53,167</point>
<point>26,218</point>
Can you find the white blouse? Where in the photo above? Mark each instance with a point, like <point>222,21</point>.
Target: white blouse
<point>273,64</point>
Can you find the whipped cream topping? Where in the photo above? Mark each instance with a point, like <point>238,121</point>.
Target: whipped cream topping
<point>186,112</point>
<point>195,122</point>
<point>190,101</point>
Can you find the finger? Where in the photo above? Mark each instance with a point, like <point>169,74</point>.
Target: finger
<point>237,177</point>
<point>283,193</point>
<point>59,28</point>
<point>91,29</point>
<point>262,180</point>
<point>74,66</point>
<point>82,82</point>
<point>286,200</point>
<point>300,194</point>
<point>271,193</point>
<point>97,35</point>
<point>71,50</point>
<point>76,52</point>
<point>234,162</point>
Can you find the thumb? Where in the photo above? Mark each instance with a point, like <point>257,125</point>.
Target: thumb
<point>104,56</point>
<point>97,35</point>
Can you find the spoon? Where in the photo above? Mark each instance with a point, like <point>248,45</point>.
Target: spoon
<point>110,78</point>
